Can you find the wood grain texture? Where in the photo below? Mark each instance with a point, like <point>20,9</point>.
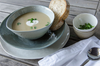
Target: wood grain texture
<point>67,0</point>
<point>25,2</point>
<point>81,3</point>
<point>3,16</point>
<point>9,7</point>
<point>77,10</point>
<point>97,32</point>
<point>9,62</point>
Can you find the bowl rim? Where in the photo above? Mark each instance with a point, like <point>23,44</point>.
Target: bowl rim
<point>51,22</point>
<point>85,30</point>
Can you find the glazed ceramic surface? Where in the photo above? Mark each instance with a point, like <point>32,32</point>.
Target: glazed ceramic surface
<point>36,54</point>
<point>30,54</point>
<point>12,39</point>
<point>81,19</point>
<point>33,34</point>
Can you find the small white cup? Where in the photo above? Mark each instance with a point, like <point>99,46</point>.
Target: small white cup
<point>81,19</point>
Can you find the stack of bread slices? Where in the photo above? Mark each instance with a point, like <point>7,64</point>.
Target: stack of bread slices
<point>60,9</point>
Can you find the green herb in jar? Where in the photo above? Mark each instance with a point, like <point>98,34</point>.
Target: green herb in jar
<point>86,26</point>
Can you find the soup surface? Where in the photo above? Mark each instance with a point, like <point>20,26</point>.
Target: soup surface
<point>31,21</point>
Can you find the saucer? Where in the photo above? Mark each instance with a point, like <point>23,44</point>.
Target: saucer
<point>36,54</point>
<point>12,39</point>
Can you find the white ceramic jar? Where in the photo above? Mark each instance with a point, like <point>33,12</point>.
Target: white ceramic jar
<point>81,19</point>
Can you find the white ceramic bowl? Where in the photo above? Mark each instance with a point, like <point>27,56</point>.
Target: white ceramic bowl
<point>81,19</point>
<point>34,34</point>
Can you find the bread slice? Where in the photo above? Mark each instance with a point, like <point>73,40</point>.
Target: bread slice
<point>59,7</point>
<point>58,25</point>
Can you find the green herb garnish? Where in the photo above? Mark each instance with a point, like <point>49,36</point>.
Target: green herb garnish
<point>35,27</point>
<point>31,27</point>
<point>35,19</point>
<point>18,23</point>
<point>31,20</point>
<point>86,26</point>
<point>47,23</point>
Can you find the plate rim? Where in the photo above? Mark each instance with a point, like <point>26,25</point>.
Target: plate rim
<point>64,43</point>
<point>32,48</point>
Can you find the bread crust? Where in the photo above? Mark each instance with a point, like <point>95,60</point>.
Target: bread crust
<point>57,26</point>
<point>60,11</point>
<point>67,12</point>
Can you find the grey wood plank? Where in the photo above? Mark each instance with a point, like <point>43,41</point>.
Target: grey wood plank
<point>78,10</point>
<point>73,10</point>
<point>81,0</point>
<point>97,32</point>
<point>25,2</point>
<point>82,3</point>
<point>3,16</point>
<point>9,62</point>
<point>8,7</point>
<point>78,3</point>
<point>69,19</point>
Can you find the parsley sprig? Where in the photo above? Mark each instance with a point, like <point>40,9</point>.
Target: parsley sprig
<point>86,26</point>
<point>35,27</point>
<point>31,27</point>
<point>47,23</point>
<point>18,23</point>
<point>31,20</point>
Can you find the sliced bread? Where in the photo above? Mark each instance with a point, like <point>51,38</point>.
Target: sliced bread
<point>60,11</point>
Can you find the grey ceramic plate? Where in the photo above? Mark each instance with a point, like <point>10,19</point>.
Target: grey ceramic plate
<point>48,39</point>
<point>35,54</point>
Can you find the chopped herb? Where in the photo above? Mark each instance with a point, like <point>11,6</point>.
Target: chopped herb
<point>31,20</point>
<point>35,27</point>
<point>47,23</point>
<point>35,19</point>
<point>86,26</point>
<point>18,23</point>
<point>31,27</point>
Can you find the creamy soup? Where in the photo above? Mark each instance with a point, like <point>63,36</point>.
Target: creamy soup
<point>31,21</point>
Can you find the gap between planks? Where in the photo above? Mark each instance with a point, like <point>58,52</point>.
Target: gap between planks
<point>18,60</point>
<point>79,3</point>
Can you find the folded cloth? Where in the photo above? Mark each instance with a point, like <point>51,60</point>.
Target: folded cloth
<point>73,55</point>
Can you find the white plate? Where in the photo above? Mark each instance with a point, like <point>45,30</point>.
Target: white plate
<point>36,54</point>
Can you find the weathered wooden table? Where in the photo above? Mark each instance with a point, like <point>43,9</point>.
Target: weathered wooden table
<point>76,7</point>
